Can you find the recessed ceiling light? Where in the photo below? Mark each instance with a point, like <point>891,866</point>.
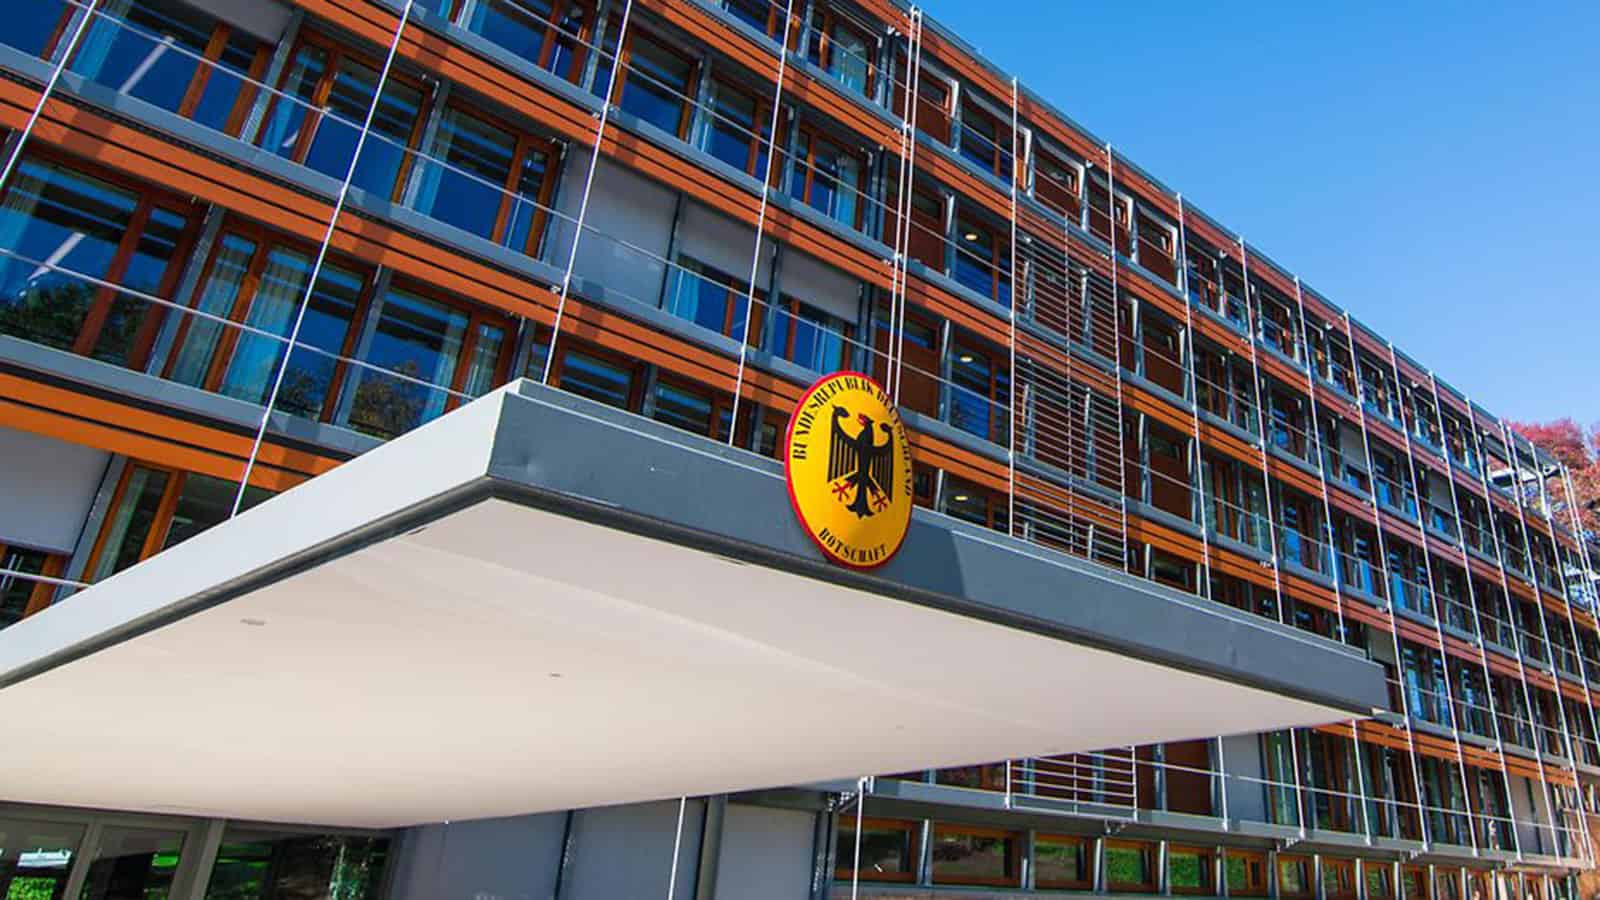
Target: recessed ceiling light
<point>966,357</point>
<point>971,235</point>
<point>554,675</point>
<point>961,498</point>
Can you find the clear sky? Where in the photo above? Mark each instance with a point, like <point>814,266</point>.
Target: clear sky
<point>1430,167</point>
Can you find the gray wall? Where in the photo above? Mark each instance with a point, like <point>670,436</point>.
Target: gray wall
<point>766,854</point>
<point>47,486</point>
<point>484,859</point>
<point>626,232</point>
<point>1241,756</point>
<point>625,852</point>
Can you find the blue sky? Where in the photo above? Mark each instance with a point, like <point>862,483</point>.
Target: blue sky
<point>1430,168</point>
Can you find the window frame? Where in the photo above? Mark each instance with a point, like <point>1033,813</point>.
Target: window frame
<point>911,829</point>
<point>1261,885</point>
<point>1152,871</point>
<point>625,71</point>
<point>807,135</point>
<point>828,19</point>
<point>55,566</point>
<point>1207,857</point>
<point>1085,863</point>
<point>1013,855</point>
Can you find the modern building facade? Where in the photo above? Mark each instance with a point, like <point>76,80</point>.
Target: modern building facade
<point>447,272</point>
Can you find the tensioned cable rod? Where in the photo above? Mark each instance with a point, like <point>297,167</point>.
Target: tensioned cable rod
<point>322,256</point>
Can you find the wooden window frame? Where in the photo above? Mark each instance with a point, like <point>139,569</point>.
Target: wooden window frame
<point>1013,876</point>
<point>527,142</point>
<point>337,53</point>
<point>1058,159</point>
<point>720,402</point>
<point>55,566</point>
<point>913,832</point>
<point>1308,871</point>
<point>1260,886</point>
<point>149,197</point>
<point>687,103</point>
<point>1152,871</point>
<point>633,367</point>
<point>790,306</point>
<point>1086,863</point>
<point>1208,859</point>
<point>807,136</point>
<point>762,115</point>
<point>829,19</point>
<point>998,249</point>
<point>1409,888</point>
<point>1343,872</point>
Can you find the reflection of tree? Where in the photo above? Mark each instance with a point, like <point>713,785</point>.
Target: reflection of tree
<point>321,867</point>
<point>384,406</point>
<point>47,313</point>
<point>305,387</point>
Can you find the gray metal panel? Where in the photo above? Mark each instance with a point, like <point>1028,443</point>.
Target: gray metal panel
<point>625,852</point>
<point>507,859</point>
<point>669,475</point>
<point>1241,756</point>
<point>46,488</point>
<point>766,854</point>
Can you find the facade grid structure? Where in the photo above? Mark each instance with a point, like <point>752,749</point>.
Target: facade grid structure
<point>241,244</point>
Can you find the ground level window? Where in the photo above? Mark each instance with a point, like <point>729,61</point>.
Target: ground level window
<point>1189,870</point>
<point>257,864</point>
<point>888,849</point>
<point>975,856</point>
<point>1061,862</point>
<point>1294,877</point>
<point>1130,866</point>
<point>1246,874</point>
<point>153,509</point>
<point>21,596</point>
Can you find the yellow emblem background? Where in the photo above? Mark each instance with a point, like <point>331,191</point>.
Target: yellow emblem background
<point>823,504</point>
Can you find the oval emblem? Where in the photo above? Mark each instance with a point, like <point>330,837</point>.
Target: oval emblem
<point>848,464</point>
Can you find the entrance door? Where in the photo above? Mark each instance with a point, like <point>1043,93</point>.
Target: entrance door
<point>68,855</point>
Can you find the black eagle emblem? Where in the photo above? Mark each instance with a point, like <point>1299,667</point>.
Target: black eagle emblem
<point>866,467</point>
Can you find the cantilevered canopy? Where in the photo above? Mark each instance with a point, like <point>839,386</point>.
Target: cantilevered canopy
<point>537,603</point>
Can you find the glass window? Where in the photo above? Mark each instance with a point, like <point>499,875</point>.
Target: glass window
<point>827,178</point>
<point>1128,867</point>
<point>1246,874</point>
<point>257,864</point>
<point>596,378</point>
<point>808,336</point>
<point>1189,870</point>
<point>888,849</point>
<point>132,518</point>
<point>467,191</point>
<point>133,862</point>
<point>974,383</point>
<point>419,341</point>
<point>164,53</point>
<point>308,378</point>
<point>17,592</point>
<point>656,86</point>
<point>203,502</point>
<point>32,28</point>
<point>54,221</point>
<point>843,50</point>
<point>983,857</point>
<point>36,857</point>
<point>707,297</point>
<point>1060,862</point>
<point>691,410</point>
<point>730,132</point>
<point>1294,877</point>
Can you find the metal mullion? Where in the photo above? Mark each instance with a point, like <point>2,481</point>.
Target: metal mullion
<point>1327,521</point>
<point>1116,346</point>
<point>1438,630</point>
<point>1394,630</point>
<point>1544,630</point>
<point>1505,587</point>
<point>761,226</point>
<point>1477,627</point>
<point>322,254</point>
<point>1188,362</point>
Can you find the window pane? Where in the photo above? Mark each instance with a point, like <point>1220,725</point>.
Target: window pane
<point>885,851</point>
<point>417,338</point>
<point>309,375</point>
<point>15,592</point>
<point>150,52</point>
<point>227,81</point>
<point>657,85</point>
<point>153,252</point>
<point>1186,870</point>
<point>35,858</point>
<point>30,26</point>
<point>1128,866</point>
<point>54,217</point>
<point>130,523</point>
<point>216,297</point>
<point>596,379</point>
<point>518,26</point>
<point>683,408</point>
<point>485,361</point>
<point>283,129</point>
<point>267,865</point>
<point>133,862</point>
<point>1058,863</point>
<point>467,192</point>
<point>972,859</point>
<point>203,502</point>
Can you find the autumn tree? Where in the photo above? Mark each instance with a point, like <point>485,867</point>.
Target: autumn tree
<point>1577,448</point>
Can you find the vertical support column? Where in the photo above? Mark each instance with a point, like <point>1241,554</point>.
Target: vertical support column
<point>1394,631</point>
<point>1505,588</point>
<point>1477,623</point>
<point>1019,285</point>
<point>1432,589</point>
<point>1116,338</point>
<point>322,256</point>
<point>588,180</point>
<point>761,222</point>
<point>1192,385</point>
<point>1509,438</point>
<point>1266,491</point>
<point>1331,545</point>
<point>907,183</point>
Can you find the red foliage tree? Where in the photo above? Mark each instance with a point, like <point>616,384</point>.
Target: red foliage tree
<point>1578,448</point>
